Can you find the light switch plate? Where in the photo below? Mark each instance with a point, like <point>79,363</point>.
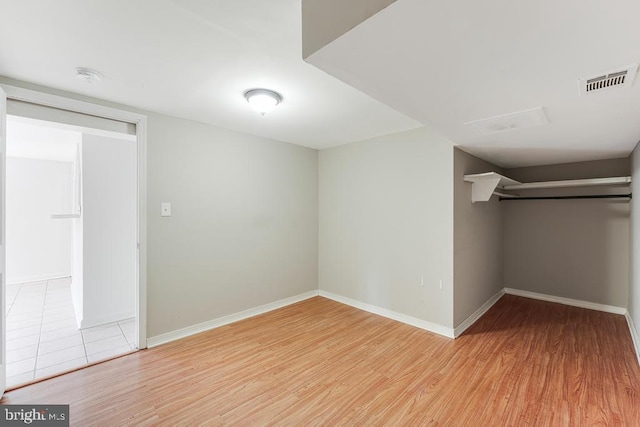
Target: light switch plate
<point>165,209</point>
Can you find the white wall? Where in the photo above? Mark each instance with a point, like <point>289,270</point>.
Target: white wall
<point>77,291</point>
<point>633,303</point>
<point>244,230</point>
<point>386,222</point>
<point>109,212</point>
<point>575,249</point>
<point>38,247</point>
<point>478,241</point>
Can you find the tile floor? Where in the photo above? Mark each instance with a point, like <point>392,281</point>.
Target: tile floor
<point>43,337</point>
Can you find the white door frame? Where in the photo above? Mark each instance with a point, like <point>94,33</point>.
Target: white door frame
<point>140,120</point>
<point>3,239</point>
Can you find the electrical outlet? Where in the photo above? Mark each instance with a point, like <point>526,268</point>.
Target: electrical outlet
<point>422,281</point>
<point>440,284</point>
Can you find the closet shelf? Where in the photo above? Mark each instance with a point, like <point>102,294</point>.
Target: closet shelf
<point>484,185</point>
<point>591,182</point>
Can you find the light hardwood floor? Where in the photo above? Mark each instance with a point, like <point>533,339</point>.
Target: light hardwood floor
<point>319,362</point>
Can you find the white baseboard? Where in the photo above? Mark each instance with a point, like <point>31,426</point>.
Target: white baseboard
<point>409,320</point>
<point>567,301</point>
<point>90,322</point>
<point>216,323</point>
<point>634,335</point>
<point>477,314</point>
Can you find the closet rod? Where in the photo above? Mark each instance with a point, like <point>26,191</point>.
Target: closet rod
<point>594,196</point>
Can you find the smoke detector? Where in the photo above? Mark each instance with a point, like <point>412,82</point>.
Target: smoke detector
<point>614,79</point>
<point>88,75</point>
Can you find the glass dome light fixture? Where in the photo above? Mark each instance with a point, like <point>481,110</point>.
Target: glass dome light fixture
<point>263,100</point>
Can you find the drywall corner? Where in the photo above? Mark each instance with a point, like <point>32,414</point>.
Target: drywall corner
<point>478,241</point>
<point>386,224</point>
<point>633,301</point>
<point>323,21</point>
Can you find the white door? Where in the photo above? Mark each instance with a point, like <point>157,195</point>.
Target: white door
<point>3,294</point>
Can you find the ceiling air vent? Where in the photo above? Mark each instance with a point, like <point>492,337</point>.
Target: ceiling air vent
<point>616,79</point>
<point>512,121</point>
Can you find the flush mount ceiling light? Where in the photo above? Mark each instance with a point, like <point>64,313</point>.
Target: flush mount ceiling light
<point>263,100</point>
<point>88,75</point>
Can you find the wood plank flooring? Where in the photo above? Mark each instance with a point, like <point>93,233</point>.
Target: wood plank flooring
<point>319,362</point>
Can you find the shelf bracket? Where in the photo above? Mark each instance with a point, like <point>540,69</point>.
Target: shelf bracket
<point>484,185</point>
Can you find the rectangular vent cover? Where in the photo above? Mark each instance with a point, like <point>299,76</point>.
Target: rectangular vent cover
<point>617,79</point>
<point>512,121</point>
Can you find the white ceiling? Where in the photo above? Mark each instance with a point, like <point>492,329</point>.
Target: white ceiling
<point>192,59</point>
<point>443,64</point>
<point>452,62</point>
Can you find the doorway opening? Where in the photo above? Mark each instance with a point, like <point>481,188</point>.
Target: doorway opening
<point>71,247</point>
<point>72,112</point>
